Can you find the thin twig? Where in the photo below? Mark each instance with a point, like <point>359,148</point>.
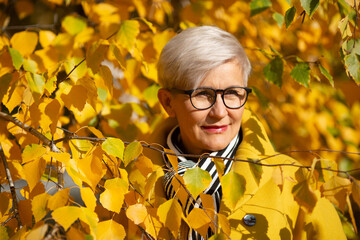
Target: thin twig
<point>31,130</point>
<point>12,187</point>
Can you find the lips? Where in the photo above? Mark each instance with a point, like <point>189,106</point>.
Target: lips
<point>215,128</point>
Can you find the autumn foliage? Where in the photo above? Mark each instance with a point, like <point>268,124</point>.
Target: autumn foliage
<point>78,90</point>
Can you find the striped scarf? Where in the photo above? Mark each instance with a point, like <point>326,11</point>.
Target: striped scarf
<point>205,163</point>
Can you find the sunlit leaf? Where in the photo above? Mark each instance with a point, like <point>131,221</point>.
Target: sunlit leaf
<point>137,213</point>
<point>132,151</point>
<point>33,171</point>
<point>344,27</point>
<point>59,199</point>
<point>61,157</point>
<point>355,192</point>
<point>114,147</point>
<point>127,34</point>
<point>170,213</point>
<point>73,25</point>
<point>24,42</point>
<point>233,186</point>
<point>199,221</point>
<point>46,38</point>
<point>301,74</point>
<point>36,83</point>
<point>16,57</point>
<point>273,71</point>
<point>87,195</point>
<point>110,230</point>
<point>220,166</point>
<point>197,180</point>
<point>113,196</point>
<point>310,6</point>
<point>220,236</point>
<point>38,232</point>
<point>66,216</point>
<point>258,6</point>
<point>96,55</point>
<point>289,16</point>
<point>39,206</point>
<point>150,94</point>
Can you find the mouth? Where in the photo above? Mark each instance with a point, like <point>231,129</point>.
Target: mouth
<point>215,128</point>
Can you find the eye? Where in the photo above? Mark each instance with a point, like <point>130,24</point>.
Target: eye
<point>236,92</point>
<point>203,93</point>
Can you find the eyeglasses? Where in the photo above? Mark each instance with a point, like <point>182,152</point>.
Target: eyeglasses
<point>204,98</point>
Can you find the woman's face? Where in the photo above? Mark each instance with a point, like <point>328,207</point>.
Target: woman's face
<point>211,129</point>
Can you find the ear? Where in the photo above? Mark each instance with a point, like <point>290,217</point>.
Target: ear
<point>165,97</point>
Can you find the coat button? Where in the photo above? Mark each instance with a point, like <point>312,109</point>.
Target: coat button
<point>249,220</point>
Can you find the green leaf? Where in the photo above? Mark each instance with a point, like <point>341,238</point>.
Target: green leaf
<point>233,187</point>
<point>150,94</point>
<point>326,74</point>
<point>258,6</point>
<point>114,147</point>
<point>127,34</point>
<point>278,18</point>
<point>30,65</point>
<point>197,180</point>
<point>352,64</point>
<point>273,71</point>
<point>73,25</point>
<point>256,170</point>
<point>289,16</point>
<point>4,84</point>
<point>310,6</point>
<point>132,151</point>
<point>16,57</point>
<point>301,74</point>
<point>344,28</point>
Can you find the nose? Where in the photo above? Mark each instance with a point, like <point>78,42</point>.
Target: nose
<point>218,110</point>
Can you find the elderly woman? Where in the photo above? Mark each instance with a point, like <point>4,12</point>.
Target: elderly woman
<point>203,72</point>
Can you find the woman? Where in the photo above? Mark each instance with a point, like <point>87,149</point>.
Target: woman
<point>203,72</point>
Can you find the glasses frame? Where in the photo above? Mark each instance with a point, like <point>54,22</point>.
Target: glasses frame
<point>189,92</point>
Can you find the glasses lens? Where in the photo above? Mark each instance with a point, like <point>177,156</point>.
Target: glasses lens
<point>235,97</point>
<point>203,98</point>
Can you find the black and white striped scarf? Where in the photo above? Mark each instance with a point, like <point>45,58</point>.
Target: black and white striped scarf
<point>205,163</point>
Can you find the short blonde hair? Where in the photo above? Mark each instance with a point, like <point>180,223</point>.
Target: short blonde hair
<point>190,55</point>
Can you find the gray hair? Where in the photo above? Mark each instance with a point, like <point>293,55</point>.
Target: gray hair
<point>189,56</point>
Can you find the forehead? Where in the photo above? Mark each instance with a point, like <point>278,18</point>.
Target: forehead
<point>223,76</point>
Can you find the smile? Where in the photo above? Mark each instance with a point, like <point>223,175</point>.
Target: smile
<point>215,128</point>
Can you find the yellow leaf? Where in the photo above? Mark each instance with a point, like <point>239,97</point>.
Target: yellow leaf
<point>96,132</point>
<point>65,216</point>
<point>73,25</point>
<point>356,191</point>
<point>224,223</point>
<point>32,152</point>
<point>197,180</point>
<point>3,233</point>
<point>304,195</point>
<point>46,38</point>
<point>4,84</point>
<point>38,206</point>
<point>126,36</point>
<point>199,221</point>
<point>38,233</point>
<point>24,8</point>
<point>132,151</point>
<point>77,67</point>
<point>96,54</point>
<point>110,230</point>
<point>137,213</point>
<point>61,157</point>
<point>91,168</point>
<point>170,213</point>
<point>79,148</point>
<point>145,165</point>
<point>88,197</point>
<point>60,199</point>
<point>233,187</point>
<point>114,147</point>
<point>113,196</point>
<point>36,83</point>
<point>220,166</point>
<point>336,189</point>
<point>173,160</point>
<point>33,171</point>
<point>25,42</point>
<point>151,181</point>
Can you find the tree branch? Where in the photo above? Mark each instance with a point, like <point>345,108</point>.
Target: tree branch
<point>31,130</point>
<point>12,187</point>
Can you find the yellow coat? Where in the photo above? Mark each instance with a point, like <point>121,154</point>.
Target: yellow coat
<point>270,200</point>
